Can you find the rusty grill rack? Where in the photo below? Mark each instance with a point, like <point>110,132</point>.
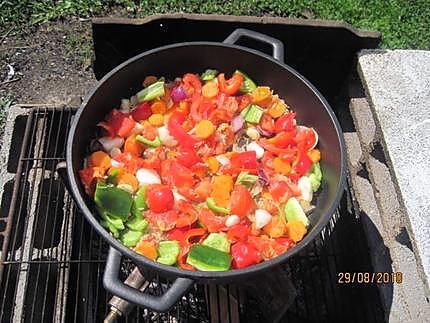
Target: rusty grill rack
<point>52,261</point>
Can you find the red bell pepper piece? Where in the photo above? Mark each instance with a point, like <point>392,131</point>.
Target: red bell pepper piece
<point>194,235</point>
<point>192,84</point>
<point>230,86</point>
<point>283,139</point>
<point>287,242</point>
<point>280,191</point>
<point>246,160</point>
<point>244,254</point>
<point>241,201</point>
<point>164,221</point>
<point>287,122</point>
<point>121,123</point>
<point>179,133</point>
<point>142,111</point>
<point>303,164</point>
<point>181,175</point>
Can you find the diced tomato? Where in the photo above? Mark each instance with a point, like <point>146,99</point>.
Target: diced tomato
<point>179,133</point>
<point>267,123</point>
<point>152,161</point>
<point>188,156</point>
<point>212,222</point>
<point>287,242</point>
<point>230,104</point>
<point>187,214</point>
<point>142,111</point>
<point>177,234</point>
<point>286,123</point>
<point>220,115</point>
<point>283,139</point>
<point>181,175</point>
<point>241,201</point>
<point>230,86</point>
<point>160,198</point>
<point>244,255</point>
<point>267,247</point>
<point>89,177</point>
<point>200,170</point>
<point>246,160</point>
<point>303,164</point>
<point>239,232</point>
<point>280,191</point>
<point>244,101</point>
<point>121,123</point>
<point>305,139</point>
<point>164,221</point>
<point>192,84</point>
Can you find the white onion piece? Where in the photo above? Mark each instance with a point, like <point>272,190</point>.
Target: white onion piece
<point>232,220</point>
<point>166,138</point>
<point>253,146</point>
<point>126,187</point>
<point>115,163</point>
<point>262,218</point>
<point>133,101</point>
<point>125,106</point>
<point>147,176</point>
<point>109,143</point>
<point>223,160</point>
<point>305,187</point>
<point>114,152</point>
<point>303,128</point>
<point>138,128</point>
<point>177,196</point>
<point>252,133</point>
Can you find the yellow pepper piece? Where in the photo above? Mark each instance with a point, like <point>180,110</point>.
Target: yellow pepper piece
<point>156,119</point>
<point>204,129</point>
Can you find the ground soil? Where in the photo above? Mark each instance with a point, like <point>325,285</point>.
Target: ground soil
<point>47,68</point>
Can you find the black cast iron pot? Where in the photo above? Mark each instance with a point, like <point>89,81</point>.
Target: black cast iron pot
<point>175,60</point>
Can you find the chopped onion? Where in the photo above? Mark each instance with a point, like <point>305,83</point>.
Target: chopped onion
<point>178,93</point>
<point>109,143</point>
<point>138,128</point>
<point>263,132</point>
<point>116,164</point>
<point>125,105</point>
<point>305,187</point>
<point>237,123</point>
<point>262,177</point>
<point>115,152</point>
<point>166,138</point>
<point>177,196</point>
<point>147,176</point>
<point>223,160</point>
<point>232,220</point>
<point>262,218</point>
<point>253,146</point>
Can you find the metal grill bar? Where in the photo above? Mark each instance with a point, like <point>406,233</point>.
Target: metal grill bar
<point>53,277</point>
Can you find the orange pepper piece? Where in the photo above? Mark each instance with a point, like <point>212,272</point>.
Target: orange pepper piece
<point>147,249</point>
<point>314,155</point>
<point>99,159</point>
<point>275,228</point>
<point>296,230</point>
<point>213,164</point>
<point>149,80</point>
<point>159,107</point>
<point>277,109</point>
<point>262,96</point>
<point>210,90</point>
<point>133,147</point>
<point>281,166</point>
<point>222,186</point>
<point>128,179</point>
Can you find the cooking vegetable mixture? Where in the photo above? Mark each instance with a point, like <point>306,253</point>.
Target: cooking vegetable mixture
<point>205,172</point>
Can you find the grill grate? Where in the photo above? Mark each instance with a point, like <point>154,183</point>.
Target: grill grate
<point>52,261</point>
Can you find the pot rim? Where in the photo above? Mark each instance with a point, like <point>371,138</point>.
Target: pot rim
<point>204,275</point>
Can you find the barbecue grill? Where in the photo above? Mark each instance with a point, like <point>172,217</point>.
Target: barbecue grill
<point>52,261</point>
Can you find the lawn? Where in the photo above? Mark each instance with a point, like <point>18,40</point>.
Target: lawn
<point>404,24</point>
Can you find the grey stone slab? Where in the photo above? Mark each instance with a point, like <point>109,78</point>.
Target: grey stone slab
<point>398,86</point>
<point>363,119</point>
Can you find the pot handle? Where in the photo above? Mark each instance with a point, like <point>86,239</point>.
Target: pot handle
<point>61,169</point>
<point>277,45</point>
<point>161,303</point>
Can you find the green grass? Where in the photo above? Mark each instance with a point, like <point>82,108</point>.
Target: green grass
<point>404,24</point>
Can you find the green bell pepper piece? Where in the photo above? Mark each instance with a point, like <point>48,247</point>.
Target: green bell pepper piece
<point>315,176</point>
<point>151,143</point>
<point>112,177</point>
<point>208,259</point>
<point>137,223</point>
<point>168,251</point>
<point>114,201</point>
<point>253,114</point>
<point>151,92</point>
<point>130,238</point>
<point>246,179</point>
<point>209,74</point>
<point>218,241</point>
<point>210,203</point>
<point>112,229</point>
<point>248,85</point>
<point>139,202</point>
